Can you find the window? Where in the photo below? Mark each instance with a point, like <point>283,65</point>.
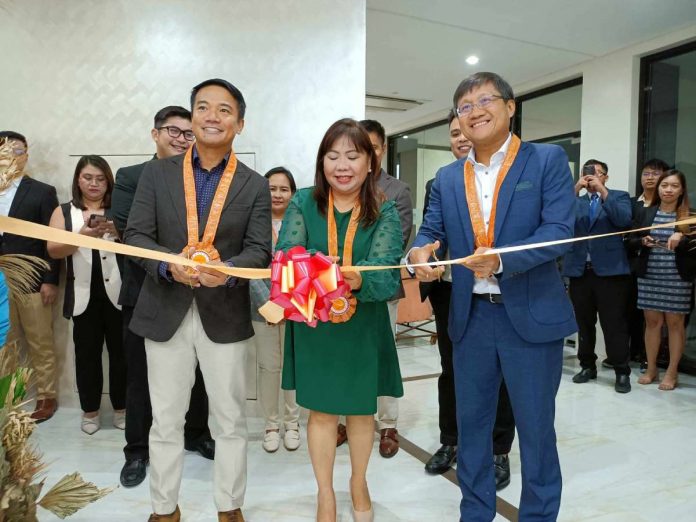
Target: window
<point>552,115</point>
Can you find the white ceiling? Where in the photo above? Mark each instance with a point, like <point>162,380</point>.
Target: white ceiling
<point>417,48</point>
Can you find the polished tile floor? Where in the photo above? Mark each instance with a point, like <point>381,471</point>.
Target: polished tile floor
<point>624,458</point>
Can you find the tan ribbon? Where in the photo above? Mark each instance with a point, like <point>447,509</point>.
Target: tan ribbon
<point>23,228</point>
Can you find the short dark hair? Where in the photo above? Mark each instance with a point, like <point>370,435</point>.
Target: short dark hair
<point>451,116</point>
<point>371,197</point>
<point>376,127</point>
<point>12,135</point>
<point>171,111</point>
<point>597,162</point>
<point>236,93</point>
<point>482,78</point>
<point>655,163</point>
<point>101,164</point>
<point>286,172</point>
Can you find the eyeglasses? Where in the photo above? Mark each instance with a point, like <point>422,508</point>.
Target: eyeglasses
<point>175,132</point>
<point>651,173</point>
<point>482,103</point>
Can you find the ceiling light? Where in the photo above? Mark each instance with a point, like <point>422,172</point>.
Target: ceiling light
<point>405,137</point>
<point>472,60</point>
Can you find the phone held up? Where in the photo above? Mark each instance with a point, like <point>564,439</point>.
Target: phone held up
<point>95,220</point>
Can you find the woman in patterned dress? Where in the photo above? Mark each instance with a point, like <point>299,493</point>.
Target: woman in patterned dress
<point>666,270</point>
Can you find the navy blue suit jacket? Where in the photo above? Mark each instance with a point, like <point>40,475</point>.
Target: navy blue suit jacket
<point>607,254</point>
<point>535,204</point>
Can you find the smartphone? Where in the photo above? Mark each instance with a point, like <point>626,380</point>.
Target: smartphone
<point>95,219</point>
<point>588,170</point>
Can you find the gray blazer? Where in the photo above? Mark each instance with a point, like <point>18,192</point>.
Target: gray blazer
<point>158,221</point>
<point>399,192</point>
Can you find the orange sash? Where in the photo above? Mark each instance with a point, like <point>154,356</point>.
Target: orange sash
<point>204,249</point>
<point>483,237</point>
<point>342,308</point>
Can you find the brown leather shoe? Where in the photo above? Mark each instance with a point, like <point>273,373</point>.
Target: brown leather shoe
<point>388,442</point>
<point>172,517</point>
<point>231,516</point>
<point>342,435</point>
<point>45,409</point>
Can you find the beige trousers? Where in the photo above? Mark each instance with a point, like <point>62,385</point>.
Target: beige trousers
<point>171,369</point>
<point>269,358</point>
<point>36,321</point>
<point>388,407</point>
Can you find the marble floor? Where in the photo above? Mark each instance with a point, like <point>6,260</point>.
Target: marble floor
<point>624,458</point>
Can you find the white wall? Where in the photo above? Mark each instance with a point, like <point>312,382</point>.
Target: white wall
<point>86,77</point>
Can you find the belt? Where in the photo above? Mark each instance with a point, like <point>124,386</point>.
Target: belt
<point>491,298</point>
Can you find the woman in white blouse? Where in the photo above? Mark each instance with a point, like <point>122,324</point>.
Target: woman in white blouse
<point>269,338</point>
<point>91,294</point>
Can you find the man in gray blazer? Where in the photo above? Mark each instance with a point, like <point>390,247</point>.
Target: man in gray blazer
<point>399,192</point>
<point>189,316</point>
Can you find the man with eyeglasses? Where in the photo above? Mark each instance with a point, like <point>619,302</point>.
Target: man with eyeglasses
<point>509,312</point>
<point>172,135</point>
<point>599,275</point>
<point>23,197</point>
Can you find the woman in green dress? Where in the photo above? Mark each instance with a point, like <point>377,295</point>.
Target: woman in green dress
<point>341,367</point>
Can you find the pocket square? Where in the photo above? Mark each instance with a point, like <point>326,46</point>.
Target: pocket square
<point>523,185</point>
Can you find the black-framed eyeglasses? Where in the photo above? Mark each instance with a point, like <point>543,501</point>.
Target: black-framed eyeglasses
<point>175,132</point>
<point>651,173</point>
<point>482,103</point>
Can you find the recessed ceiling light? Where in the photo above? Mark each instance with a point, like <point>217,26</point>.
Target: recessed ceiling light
<point>405,137</point>
<point>472,60</point>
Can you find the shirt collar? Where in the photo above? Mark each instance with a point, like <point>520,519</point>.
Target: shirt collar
<point>497,157</point>
<point>641,197</point>
<point>196,159</point>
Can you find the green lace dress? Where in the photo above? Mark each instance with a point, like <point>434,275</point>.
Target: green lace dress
<point>341,368</point>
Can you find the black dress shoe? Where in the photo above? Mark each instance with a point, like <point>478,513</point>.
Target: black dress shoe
<point>502,471</point>
<point>607,364</point>
<point>442,460</point>
<point>133,472</point>
<point>623,384</point>
<point>206,447</point>
<point>585,375</point>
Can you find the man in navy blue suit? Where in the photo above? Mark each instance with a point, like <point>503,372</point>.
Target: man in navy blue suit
<point>600,280</point>
<point>510,312</point>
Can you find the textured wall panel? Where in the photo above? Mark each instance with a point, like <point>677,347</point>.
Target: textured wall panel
<point>86,77</point>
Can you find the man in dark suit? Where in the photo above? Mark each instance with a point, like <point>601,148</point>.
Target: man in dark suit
<point>509,313</point>
<point>200,316</point>
<point>172,135</point>
<point>25,198</point>
<point>600,281</point>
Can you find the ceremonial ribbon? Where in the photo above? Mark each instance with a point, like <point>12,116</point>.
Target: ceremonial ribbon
<point>204,249</point>
<point>484,236</point>
<point>23,228</point>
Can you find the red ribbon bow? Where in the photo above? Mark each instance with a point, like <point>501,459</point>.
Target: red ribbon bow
<point>305,285</point>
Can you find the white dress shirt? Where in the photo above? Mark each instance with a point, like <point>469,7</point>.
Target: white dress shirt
<point>486,176</point>
<point>7,196</point>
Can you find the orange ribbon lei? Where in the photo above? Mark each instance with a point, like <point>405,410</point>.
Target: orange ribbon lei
<point>342,308</point>
<point>485,237</point>
<point>204,249</point>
